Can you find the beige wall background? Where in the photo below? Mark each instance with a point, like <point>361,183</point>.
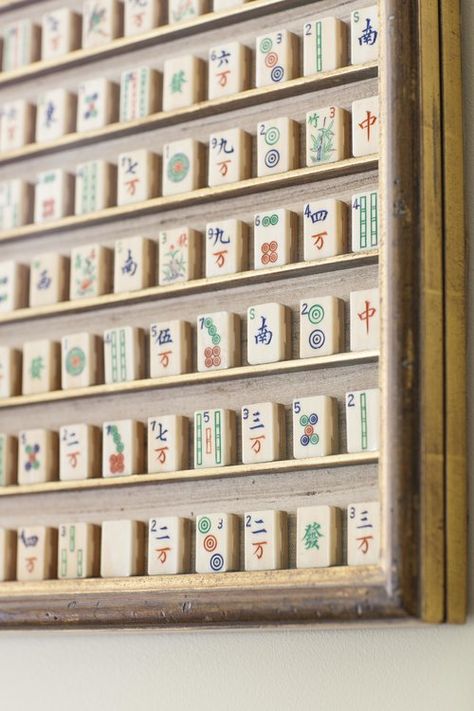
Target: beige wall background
<point>382,669</point>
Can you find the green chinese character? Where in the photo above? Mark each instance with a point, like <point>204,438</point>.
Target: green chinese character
<point>36,367</point>
<point>312,535</point>
<point>177,82</point>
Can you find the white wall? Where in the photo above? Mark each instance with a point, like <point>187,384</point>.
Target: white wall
<point>371,670</point>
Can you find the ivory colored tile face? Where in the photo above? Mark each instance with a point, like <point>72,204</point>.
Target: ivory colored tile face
<point>276,57</point>
<point>327,135</point>
<point>217,543</point>
<point>41,367</point>
<point>49,279</point>
<point>78,554</point>
<point>10,371</point>
<point>179,255</point>
<point>135,259</point>
<point>81,362</point>
<point>321,326</point>
<point>37,456</point>
<point>13,286</point>
<point>315,430</point>
<point>182,10</point>
<point>139,93</point>
<point>275,235</point>
<point>266,540</point>
<point>183,166</point>
<point>95,186</point>
<point>229,69</point>
<point>122,549</point>
<point>214,438</point>
<point>318,535</point>
<point>218,341</point>
<point>60,33</point>
<point>54,195</point>
<point>363,420</point>
<point>138,176</point>
<point>363,534</point>
<point>170,348</point>
<point>230,157</point>
<point>91,271</point>
<point>169,545</point>
<point>123,448</point>
<point>325,228</point>
<point>79,452</point>
<point>227,4</point>
<point>167,443</point>
<point>7,554</point>
<point>55,115</point>
<point>226,247</point>
<point>21,44</point>
<point>268,333</point>
<point>263,433</point>
<point>277,146</point>
<point>365,221</point>
<point>142,16</point>
<point>101,22</point>
<point>16,125</point>
<point>365,320</point>
<point>15,203</point>
<point>97,104</point>
<point>325,45</point>
<point>124,355</point>
<point>183,82</point>
<point>36,553</point>
<point>365,35</point>
<point>8,459</point>
<point>365,126</point>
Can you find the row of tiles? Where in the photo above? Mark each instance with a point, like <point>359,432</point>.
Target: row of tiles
<point>142,175</point>
<point>83,359</point>
<point>145,91</point>
<point>120,450</point>
<point>163,546</point>
<point>94,270</point>
<point>63,31</point>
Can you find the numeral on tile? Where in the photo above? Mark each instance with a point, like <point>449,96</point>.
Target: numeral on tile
<point>95,186</point>
<point>365,221</point>
<point>275,235</point>
<point>21,44</point>
<point>363,420</point>
<point>79,452</point>
<point>266,540</point>
<point>54,195</point>
<point>229,69</point>
<point>135,259</point>
<point>170,348</point>
<point>97,104</point>
<point>263,432</point>
<point>36,553</point>
<point>61,33</point>
<point>325,45</point>
<point>101,22</point>
<point>168,545</point>
<point>230,157</point>
<point>365,35</point>
<point>91,271</point>
<point>277,57</point>
<point>37,456</point>
<point>183,166</point>
<point>142,16</point>
<point>17,123</point>
<point>138,176</point>
<point>363,534</point>
<point>78,554</point>
<point>49,277</point>
<point>167,443</point>
<point>327,135</point>
<point>277,146</point>
<point>218,341</point>
<point>55,115</point>
<point>321,326</point>
<point>226,247</point>
<point>140,93</point>
<point>325,229</point>
<point>180,255</point>
<point>123,448</point>
<point>268,333</point>
<point>124,354</point>
<point>315,429</point>
<point>217,543</point>
<point>81,363</point>
<point>214,438</point>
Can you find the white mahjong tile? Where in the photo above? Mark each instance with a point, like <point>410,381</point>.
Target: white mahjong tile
<point>227,4</point>
<point>10,371</point>
<point>138,176</point>
<point>277,146</point>
<point>142,16</point>
<point>81,360</point>
<point>321,326</point>
<point>17,125</point>
<point>266,540</point>
<point>167,443</point>
<point>91,271</point>
<point>8,543</point>
<point>170,348</point>
<point>179,259</point>
<point>363,420</point>
<point>97,104</point>
<point>16,203</point>
<point>363,533</point>
<point>230,157</point>
<point>327,135</point>
<point>365,31</point>
<point>217,543</point>
<point>228,69</point>
<point>78,550</point>
<point>214,438</point>
<point>268,333</point>
<point>37,456</point>
<point>365,126</point>
<point>55,115</point>
<point>183,82</point>
<point>325,45</point>
<point>365,320</point>
<point>275,235</point>
<point>318,536</point>
<point>182,10</point>
<point>95,186</point>
<point>123,444</point>
<point>140,93</point>
<point>49,279</point>
<point>169,545</point>
<point>60,33</point>
<point>8,460</point>
<point>41,367</point>
<point>54,195</point>
<point>226,247</point>
<point>101,22</point>
<point>183,166</point>
<point>80,448</point>
<point>124,355</point>
<point>315,427</point>
<point>13,286</point>
<point>21,44</point>
<point>277,57</point>
<point>36,553</point>
<point>365,221</point>
<point>134,264</point>
<point>218,341</point>
<point>263,432</point>
<point>122,550</point>
<point>325,228</point>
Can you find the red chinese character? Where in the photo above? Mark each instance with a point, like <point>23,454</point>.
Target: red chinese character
<point>131,185</point>
<point>138,19</point>
<point>259,549</point>
<point>220,258</point>
<point>162,554</point>
<point>48,207</point>
<point>30,563</point>
<point>364,543</point>
<point>73,457</point>
<point>11,132</point>
<point>165,358</point>
<point>183,240</point>
<point>368,122</point>
<point>161,454</point>
<point>257,443</point>
<point>223,166</point>
<point>367,314</point>
<point>319,239</point>
<point>223,76</point>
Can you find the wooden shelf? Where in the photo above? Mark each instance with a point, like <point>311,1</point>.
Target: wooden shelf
<point>244,371</point>
<point>301,176</point>
<point>251,97</point>
<point>236,470</point>
<point>159,35</point>
<point>158,293</point>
